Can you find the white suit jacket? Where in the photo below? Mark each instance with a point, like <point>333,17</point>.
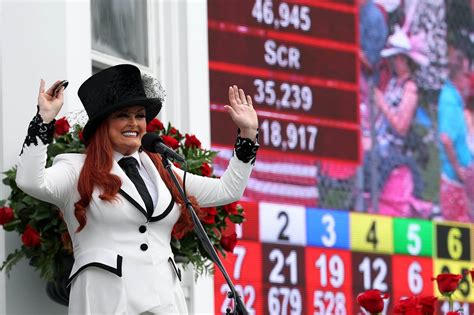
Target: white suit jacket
<point>118,237</point>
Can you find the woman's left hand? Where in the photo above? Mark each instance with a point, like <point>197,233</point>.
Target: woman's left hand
<point>242,112</point>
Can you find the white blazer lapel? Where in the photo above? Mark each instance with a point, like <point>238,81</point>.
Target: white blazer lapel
<point>131,192</point>
<point>164,195</point>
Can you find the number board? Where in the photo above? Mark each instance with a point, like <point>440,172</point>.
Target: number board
<point>327,228</point>
<point>371,233</point>
<point>330,288</point>
<point>268,47</point>
<point>295,135</point>
<point>414,237</point>
<point>282,223</point>
<point>297,260</point>
<point>298,59</point>
<point>371,271</point>
<point>413,276</point>
<point>283,279</point>
<point>453,241</point>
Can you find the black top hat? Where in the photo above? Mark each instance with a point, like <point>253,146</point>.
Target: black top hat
<point>112,89</point>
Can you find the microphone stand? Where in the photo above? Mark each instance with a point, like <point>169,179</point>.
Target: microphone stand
<point>239,307</point>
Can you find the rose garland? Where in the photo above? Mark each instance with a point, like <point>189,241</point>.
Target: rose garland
<point>45,240</point>
<point>372,300</point>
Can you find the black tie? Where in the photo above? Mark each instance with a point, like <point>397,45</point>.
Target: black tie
<point>130,166</point>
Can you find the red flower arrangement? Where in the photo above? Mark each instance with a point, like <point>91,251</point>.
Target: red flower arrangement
<point>154,125</point>
<point>44,234</point>
<point>228,242</point>
<point>415,305</point>
<point>30,237</point>
<point>6,215</point>
<point>372,301</point>
<point>192,142</point>
<point>61,126</point>
<point>447,283</point>
<point>206,169</point>
<point>173,143</point>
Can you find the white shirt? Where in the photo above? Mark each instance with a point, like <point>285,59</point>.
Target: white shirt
<point>143,173</point>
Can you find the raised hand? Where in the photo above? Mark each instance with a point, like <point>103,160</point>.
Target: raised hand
<point>50,104</point>
<point>242,112</point>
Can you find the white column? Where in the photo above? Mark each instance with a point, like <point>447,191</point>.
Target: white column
<point>198,113</point>
<point>40,39</point>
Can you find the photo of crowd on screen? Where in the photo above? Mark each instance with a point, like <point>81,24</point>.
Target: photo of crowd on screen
<point>417,107</point>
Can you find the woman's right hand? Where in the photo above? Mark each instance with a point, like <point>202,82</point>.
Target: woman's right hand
<point>48,103</point>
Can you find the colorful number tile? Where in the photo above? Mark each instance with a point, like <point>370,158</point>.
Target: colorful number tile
<point>327,228</point>
<point>282,223</point>
<point>244,268</point>
<point>413,237</point>
<point>371,233</point>
<point>453,241</point>
<point>372,271</point>
<point>328,281</point>
<point>412,276</point>
<point>283,264</point>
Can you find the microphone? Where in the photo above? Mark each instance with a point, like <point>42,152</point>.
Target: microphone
<point>153,143</point>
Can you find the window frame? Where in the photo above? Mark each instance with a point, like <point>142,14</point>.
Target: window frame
<point>103,60</point>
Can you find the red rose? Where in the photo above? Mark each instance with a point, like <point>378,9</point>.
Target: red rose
<point>171,142</point>
<point>61,126</point>
<point>192,141</point>
<point>231,208</point>
<point>211,211</point>
<point>447,283</point>
<point>372,301</point>
<point>210,217</point>
<point>206,170</point>
<point>154,125</point>
<point>6,215</point>
<point>408,306</point>
<point>81,136</point>
<point>228,242</point>
<point>30,237</point>
<point>427,305</point>
<point>174,131</point>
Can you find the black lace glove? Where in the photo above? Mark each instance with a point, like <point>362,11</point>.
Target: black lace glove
<point>38,128</point>
<point>246,149</point>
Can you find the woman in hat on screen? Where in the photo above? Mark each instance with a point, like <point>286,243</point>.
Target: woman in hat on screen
<point>400,175</point>
<point>118,201</point>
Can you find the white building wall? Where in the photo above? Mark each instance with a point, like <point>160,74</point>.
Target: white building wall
<point>50,39</point>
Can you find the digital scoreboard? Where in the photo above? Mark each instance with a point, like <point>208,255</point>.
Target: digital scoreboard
<point>298,59</point>
<point>297,260</point>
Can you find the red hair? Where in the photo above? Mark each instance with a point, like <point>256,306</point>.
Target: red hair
<point>95,173</point>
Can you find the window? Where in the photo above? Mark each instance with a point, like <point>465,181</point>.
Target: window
<point>120,29</point>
